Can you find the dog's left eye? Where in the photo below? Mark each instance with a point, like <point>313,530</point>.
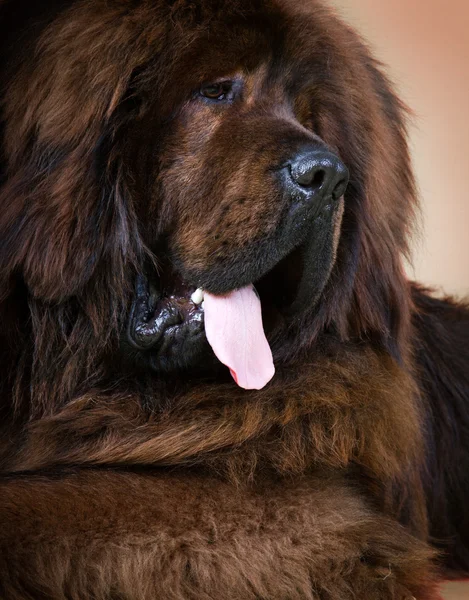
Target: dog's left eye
<point>218,92</point>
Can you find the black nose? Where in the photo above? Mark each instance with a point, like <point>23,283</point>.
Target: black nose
<point>320,173</point>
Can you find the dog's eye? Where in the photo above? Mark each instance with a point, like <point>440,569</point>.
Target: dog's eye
<point>217,91</point>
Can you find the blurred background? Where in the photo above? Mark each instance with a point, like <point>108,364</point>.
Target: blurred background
<point>425,44</point>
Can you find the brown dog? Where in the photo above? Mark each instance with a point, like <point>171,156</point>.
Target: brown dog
<point>251,152</point>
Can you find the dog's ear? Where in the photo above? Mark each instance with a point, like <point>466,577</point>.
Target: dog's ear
<point>59,222</point>
<point>64,207</point>
<point>386,219</point>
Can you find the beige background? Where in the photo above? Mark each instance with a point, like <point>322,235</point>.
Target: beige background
<point>456,591</point>
<point>426,45</point>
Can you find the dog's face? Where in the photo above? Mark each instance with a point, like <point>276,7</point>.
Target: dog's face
<point>236,186</point>
<point>163,148</point>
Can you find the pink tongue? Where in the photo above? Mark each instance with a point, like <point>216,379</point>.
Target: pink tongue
<point>233,325</point>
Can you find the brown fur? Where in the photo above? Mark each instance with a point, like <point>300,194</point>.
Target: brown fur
<point>245,546</point>
<point>336,481</point>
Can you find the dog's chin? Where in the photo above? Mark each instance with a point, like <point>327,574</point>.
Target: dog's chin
<point>165,330</point>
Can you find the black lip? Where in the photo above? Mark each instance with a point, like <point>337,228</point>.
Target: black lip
<point>165,333</point>
<point>317,261</point>
<point>154,318</point>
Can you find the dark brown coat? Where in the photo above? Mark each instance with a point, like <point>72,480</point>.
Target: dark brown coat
<point>347,477</point>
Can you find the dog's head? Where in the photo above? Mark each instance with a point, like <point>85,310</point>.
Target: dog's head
<point>157,149</point>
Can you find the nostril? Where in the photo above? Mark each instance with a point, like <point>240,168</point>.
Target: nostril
<point>340,187</point>
<point>309,176</point>
<point>318,179</point>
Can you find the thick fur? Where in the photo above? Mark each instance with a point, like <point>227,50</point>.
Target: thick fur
<point>186,535</point>
<point>348,475</point>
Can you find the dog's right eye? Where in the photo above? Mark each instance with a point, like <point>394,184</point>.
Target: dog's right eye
<point>218,92</point>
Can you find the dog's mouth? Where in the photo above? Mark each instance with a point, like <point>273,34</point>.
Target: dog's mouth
<point>174,324</point>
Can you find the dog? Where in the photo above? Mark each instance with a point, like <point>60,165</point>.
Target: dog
<point>216,379</point>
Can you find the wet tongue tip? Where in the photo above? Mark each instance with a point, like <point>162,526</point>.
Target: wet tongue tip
<point>233,325</point>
